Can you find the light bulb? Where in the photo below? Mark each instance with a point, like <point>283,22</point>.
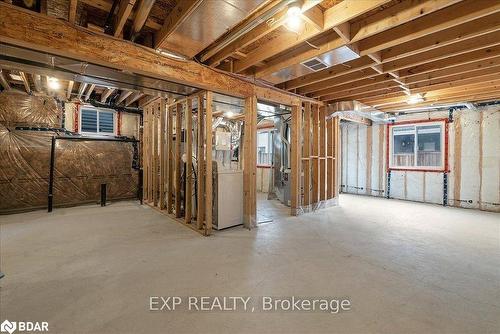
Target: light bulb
<point>414,99</point>
<point>53,83</point>
<point>293,18</point>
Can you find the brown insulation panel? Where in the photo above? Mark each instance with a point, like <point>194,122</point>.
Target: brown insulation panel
<point>80,166</point>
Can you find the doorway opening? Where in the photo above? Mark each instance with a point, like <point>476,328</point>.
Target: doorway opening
<point>273,162</point>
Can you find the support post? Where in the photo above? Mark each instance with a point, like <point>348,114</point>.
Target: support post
<point>250,163</point>
<point>322,154</point>
<point>103,194</point>
<point>155,111</point>
<point>208,178</point>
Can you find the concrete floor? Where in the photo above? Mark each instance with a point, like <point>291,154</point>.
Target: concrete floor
<point>270,210</point>
<point>406,268</point>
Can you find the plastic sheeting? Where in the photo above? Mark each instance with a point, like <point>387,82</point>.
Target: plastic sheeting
<point>80,166</point>
<point>19,109</point>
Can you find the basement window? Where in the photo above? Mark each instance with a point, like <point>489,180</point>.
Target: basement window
<point>418,146</point>
<point>97,121</point>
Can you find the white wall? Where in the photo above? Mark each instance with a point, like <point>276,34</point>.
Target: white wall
<point>474,162</point>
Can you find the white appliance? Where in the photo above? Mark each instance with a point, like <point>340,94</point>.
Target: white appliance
<point>229,199</point>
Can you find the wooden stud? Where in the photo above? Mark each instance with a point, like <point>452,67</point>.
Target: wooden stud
<point>200,157</point>
<point>26,83</point>
<point>322,154</point>
<point>170,158</point>
<point>306,153</point>
<point>124,10</point>
<point>189,160</point>
<point>295,159</point>
<point>156,109</point>
<point>3,80</point>
<point>250,163</point>
<point>163,162</point>
<point>178,159</point>
<point>208,178</point>
<point>315,156</point>
<point>73,5</point>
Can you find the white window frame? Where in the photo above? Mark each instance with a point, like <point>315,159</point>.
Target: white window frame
<point>98,110</point>
<point>441,167</point>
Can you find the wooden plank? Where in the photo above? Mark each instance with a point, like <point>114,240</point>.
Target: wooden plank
<point>106,94</point>
<point>338,14</point>
<point>123,95</point>
<point>200,159</point>
<point>162,157</point>
<point>331,160</point>
<point>145,138</point>
<point>156,110</point>
<point>189,161</point>
<point>26,83</point>
<point>295,159</point>
<point>208,154</point>
<point>448,17</point>
<point>170,158</point>
<point>89,91</point>
<point>3,80</point>
<point>124,10</point>
<point>322,153</point>
<point>178,159</point>
<point>250,164</point>
<point>140,16</point>
<point>306,153</point>
<point>315,153</point>
<point>178,15</point>
<point>37,81</point>
<point>73,5</point>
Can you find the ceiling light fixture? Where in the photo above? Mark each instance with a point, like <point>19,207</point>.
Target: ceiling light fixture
<point>414,99</point>
<point>293,20</point>
<point>53,83</point>
<point>228,114</point>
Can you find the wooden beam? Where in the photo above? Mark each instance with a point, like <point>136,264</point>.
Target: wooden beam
<point>89,91</point>
<point>106,94</point>
<point>315,157</point>
<point>81,89</point>
<point>3,80</point>
<point>124,10</point>
<point>37,80</point>
<point>178,15</point>
<point>250,164</point>
<point>79,44</point>
<point>26,83</point>
<point>73,5</point>
<point>314,16</point>
<point>448,17</point>
<point>147,99</point>
<point>123,95</point>
<point>334,16</point>
<point>132,98</point>
<point>141,15</point>
<point>328,73</point>
<point>188,192</point>
<point>213,59</point>
<point>208,166</point>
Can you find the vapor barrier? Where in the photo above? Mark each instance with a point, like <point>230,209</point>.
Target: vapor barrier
<point>80,167</point>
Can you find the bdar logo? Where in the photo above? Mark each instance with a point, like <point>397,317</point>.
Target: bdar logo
<point>8,326</point>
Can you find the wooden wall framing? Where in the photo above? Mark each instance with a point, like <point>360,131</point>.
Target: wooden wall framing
<point>168,134</point>
<point>315,157</point>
